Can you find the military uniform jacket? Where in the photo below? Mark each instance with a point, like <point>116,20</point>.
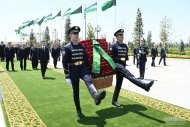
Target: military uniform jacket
<point>142,51</point>
<point>120,53</point>
<point>9,52</point>
<point>73,54</point>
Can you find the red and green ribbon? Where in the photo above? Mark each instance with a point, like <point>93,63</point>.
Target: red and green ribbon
<point>97,53</point>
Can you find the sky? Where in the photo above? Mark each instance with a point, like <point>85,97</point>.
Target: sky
<point>123,15</point>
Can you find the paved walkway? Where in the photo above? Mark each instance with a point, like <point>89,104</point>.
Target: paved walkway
<point>172,82</point>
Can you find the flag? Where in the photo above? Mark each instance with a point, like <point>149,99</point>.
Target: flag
<point>36,21</point>
<point>25,22</point>
<point>108,4</point>
<point>91,8</point>
<point>67,12</point>
<point>31,23</point>
<point>17,31</point>
<point>78,10</point>
<point>48,17</point>
<point>58,14</point>
<point>41,20</point>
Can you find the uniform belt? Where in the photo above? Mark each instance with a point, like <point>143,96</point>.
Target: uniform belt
<point>122,58</point>
<point>77,63</point>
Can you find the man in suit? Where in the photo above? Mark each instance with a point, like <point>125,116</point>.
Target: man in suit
<point>22,55</point>
<point>154,53</point>
<point>163,55</point>
<point>33,55</point>
<point>9,54</point>
<point>55,53</point>
<point>2,48</point>
<point>43,57</point>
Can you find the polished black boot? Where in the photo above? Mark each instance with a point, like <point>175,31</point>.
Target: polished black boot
<point>80,114</point>
<point>139,83</point>
<point>98,97</point>
<point>115,97</point>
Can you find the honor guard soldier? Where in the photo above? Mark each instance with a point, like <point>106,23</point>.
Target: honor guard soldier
<point>154,53</point>
<point>75,64</point>
<point>142,51</point>
<point>9,54</point>
<point>119,53</point>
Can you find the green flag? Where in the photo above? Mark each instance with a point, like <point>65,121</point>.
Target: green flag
<point>31,23</point>
<point>108,4</point>
<point>58,14</point>
<point>78,10</point>
<point>41,20</point>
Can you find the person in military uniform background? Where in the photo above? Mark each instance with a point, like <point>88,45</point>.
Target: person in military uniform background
<point>154,53</point>
<point>22,55</point>
<point>142,51</point>
<point>75,64</point>
<point>9,54</point>
<point>119,53</point>
<point>163,55</point>
<point>55,53</point>
<point>2,48</point>
<point>43,57</point>
<point>33,55</point>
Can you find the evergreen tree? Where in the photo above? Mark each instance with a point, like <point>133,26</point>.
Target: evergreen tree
<point>90,32</point>
<point>46,36</point>
<point>67,27</point>
<point>138,30</point>
<point>32,38</point>
<point>149,40</point>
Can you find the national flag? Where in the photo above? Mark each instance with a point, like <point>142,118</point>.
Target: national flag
<point>36,21</point>
<point>108,4</point>
<point>58,14</point>
<point>67,12</point>
<point>91,8</point>
<point>25,22</point>
<point>41,20</point>
<point>31,23</point>
<point>48,17</point>
<point>78,10</point>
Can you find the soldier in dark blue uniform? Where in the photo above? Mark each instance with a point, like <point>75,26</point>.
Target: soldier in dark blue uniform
<point>142,51</point>
<point>163,55</point>
<point>119,52</point>
<point>9,54</point>
<point>22,55</point>
<point>154,53</point>
<point>76,66</point>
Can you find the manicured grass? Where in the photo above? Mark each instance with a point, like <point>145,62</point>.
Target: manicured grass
<point>52,99</point>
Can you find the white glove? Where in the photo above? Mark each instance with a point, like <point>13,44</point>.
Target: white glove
<point>68,80</point>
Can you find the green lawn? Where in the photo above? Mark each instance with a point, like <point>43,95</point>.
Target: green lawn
<point>52,99</point>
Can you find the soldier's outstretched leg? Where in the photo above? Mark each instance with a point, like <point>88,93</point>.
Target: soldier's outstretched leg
<point>98,97</point>
<point>127,74</point>
<point>119,80</point>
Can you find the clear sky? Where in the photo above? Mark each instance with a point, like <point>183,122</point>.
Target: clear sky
<point>14,12</point>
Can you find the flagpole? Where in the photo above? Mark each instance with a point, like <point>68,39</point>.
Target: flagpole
<point>85,25</point>
<point>40,34</point>
<point>115,18</point>
<point>61,28</point>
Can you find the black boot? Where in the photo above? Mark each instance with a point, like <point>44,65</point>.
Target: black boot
<point>80,114</point>
<point>142,76</point>
<point>98,97</point>
<point>139,83</point>
<point>115,97</point>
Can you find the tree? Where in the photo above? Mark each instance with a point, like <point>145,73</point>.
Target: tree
<point>182,46</point>
<point>90,32</point>
<point>149,40</point>
<point>165,27</point>
<point>138,30</point>
<point>67,27</point>
<point>46,36</point>
<point>32,38</point>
